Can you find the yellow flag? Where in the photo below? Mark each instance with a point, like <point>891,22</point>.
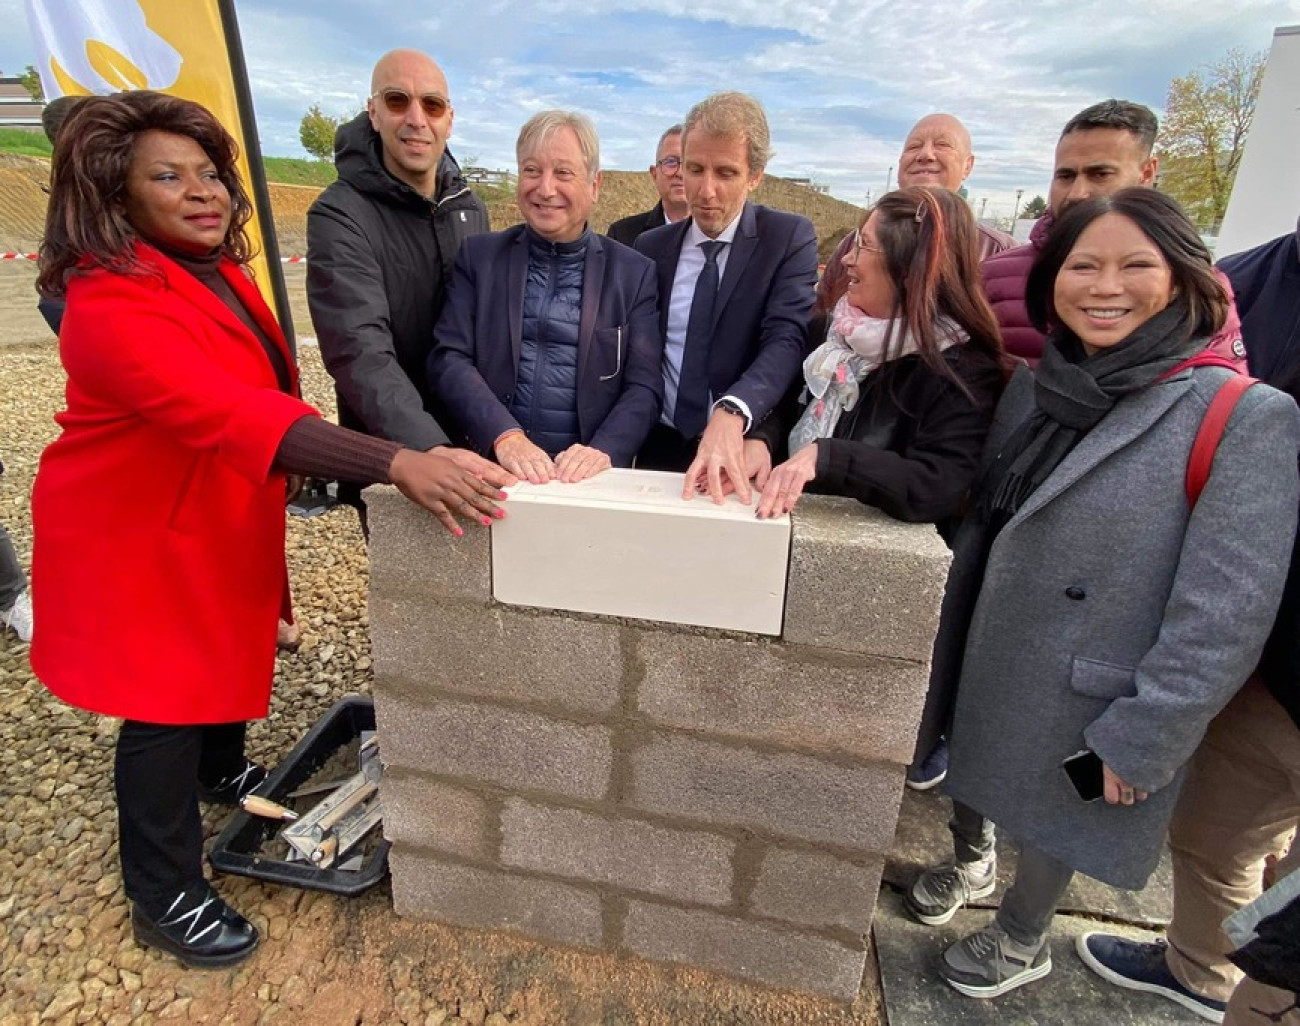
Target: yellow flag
<point>190,49</point>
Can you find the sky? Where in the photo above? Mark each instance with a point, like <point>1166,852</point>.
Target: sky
<point>841,81</point>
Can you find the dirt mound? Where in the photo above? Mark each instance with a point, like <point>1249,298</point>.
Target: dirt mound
<point>22,205</point>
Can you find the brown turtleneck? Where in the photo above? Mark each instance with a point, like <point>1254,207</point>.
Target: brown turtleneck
<point>312,446</point>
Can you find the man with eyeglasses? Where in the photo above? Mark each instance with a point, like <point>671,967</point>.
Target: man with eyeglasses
<point>666,172</point>
<point>381,241</point>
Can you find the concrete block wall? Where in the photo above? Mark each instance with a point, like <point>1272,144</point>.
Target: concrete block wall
<point>714,798</point>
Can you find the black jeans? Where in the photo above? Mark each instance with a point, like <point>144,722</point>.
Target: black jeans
<point>156,774</point>
<point>1030,902</point>
<point>12,580</point>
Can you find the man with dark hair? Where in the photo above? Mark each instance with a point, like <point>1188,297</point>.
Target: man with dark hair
<point>1102,149</point>
<point>736,287</point>
<point>937,152</point>
<point>666,172</point>
<point>380,246</point>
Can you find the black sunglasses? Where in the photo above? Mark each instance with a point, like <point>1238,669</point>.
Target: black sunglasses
<point>398,100</point>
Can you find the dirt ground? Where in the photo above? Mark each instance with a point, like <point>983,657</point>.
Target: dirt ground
<point>66,954</point>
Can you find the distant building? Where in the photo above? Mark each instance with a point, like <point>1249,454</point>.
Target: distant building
<point>808,183</point>
<point>483,176</point>
<point>17,108</point>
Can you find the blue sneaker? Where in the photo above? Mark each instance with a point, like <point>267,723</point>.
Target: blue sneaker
<point>1138,965</point>
<point>932,769</point>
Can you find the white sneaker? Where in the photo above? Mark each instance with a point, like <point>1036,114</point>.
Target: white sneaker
<point>18,617</point>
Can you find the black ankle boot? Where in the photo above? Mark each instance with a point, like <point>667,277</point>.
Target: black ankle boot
<point>199,929</point>
<point>230,790</point>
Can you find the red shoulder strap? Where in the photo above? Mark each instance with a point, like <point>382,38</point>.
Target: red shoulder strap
<point>1211,431</point>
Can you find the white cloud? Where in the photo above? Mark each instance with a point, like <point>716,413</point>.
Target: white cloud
<point>841,80</point>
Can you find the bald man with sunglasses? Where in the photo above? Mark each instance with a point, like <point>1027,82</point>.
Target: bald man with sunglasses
<point>381,241</point>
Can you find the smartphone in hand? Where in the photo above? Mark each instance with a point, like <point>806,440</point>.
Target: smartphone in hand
<point>1084,768</point>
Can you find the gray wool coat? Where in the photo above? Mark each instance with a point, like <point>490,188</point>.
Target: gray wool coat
<point>1110,618</point>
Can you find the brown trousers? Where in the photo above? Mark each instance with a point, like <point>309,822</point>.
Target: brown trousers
<point>1239,804</point>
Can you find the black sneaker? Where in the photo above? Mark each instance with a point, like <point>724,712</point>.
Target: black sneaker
<point>233,789</point>
<point>1139,965</point>
<point>932,770</point>
<point>199,929</point>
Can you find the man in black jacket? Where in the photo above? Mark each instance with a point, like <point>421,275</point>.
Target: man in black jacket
<point>380,246</point>
<point>667,175</point>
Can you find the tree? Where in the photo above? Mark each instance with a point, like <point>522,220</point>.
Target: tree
<point>1207,118</point>
<point>32,83</point>
<point>1034,209</point>
<point>317,133</point>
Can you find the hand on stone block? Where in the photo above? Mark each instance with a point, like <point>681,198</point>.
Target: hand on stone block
<point>786,483</point>
<point>451,483</point>
<point>719,464</point>
<point>523,459</point>
<point>579,462</point>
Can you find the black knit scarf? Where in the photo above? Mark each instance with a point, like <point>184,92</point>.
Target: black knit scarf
<point>1072,392</point>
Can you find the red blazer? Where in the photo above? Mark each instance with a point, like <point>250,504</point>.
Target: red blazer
<point>158,556</point>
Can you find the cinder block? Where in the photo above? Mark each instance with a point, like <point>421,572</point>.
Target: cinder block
<point>496,652</point>
<point>815,889</point>
<point>784,794</point>
<point>425,887</point>
<point>685,865</point>
<point>863,582</point>
<point>786,694</point>
<point>518,750</point>
<point>749,950</point>
<point>411,553</point>
<point>625,543</point>
<point>433,815</point>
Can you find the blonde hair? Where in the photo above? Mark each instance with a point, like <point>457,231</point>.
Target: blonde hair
<point>545,124</point>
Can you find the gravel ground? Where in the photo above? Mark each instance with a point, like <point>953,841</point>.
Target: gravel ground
<point>66,953</point>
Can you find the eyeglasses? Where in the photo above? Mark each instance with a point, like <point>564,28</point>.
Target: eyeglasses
<point>670,163</point>
<point>861,246</point>
<point>396,101</point>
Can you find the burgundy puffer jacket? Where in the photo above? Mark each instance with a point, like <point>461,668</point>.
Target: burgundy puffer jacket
<point>1005,275</point>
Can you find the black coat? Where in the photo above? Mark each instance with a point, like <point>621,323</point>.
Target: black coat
<point>912,444</point>
<point>1266,281</point>
<point>379,257</point>
<point>625,230</point>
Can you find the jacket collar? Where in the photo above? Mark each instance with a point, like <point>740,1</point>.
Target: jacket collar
<point>183,284</point>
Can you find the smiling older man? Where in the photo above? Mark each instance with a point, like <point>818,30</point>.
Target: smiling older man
<point>547,352</point>
<point>937,152</point>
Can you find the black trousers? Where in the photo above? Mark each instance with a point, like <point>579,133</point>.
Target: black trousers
<point>156,774</point>
<point>666,449</point>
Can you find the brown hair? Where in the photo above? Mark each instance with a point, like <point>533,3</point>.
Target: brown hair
<point>1158,216</point>
<point>930,246</point>
<point>84,222</point>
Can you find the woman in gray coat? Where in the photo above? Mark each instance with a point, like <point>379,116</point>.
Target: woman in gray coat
<point>1090,607</point>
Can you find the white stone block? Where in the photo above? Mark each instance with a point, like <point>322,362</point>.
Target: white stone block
<point>625,543</point>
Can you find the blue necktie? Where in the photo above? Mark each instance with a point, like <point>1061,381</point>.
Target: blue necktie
<point>692,411</point>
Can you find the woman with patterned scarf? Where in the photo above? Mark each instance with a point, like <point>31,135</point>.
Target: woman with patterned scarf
<point>897,400</point>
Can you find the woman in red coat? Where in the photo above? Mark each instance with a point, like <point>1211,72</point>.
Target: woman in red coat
<point>158,559</point>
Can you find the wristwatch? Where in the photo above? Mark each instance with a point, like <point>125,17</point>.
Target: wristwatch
<point>731,406</point>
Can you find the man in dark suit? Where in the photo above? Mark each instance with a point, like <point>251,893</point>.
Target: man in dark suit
<point>548,351</point>
<point>666,172</point>
<point>736,285</point>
